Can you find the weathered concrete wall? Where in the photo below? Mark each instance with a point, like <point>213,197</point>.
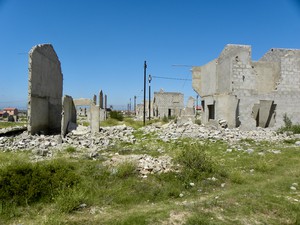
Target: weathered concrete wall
<point>268,74</point>
<point>204,79</point>
<point>44,90</point>
<point>68,115</point>
<point>230,54</point>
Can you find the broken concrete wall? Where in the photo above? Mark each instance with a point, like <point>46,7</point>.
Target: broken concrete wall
<point>68,121</point>
<point>45,88</point>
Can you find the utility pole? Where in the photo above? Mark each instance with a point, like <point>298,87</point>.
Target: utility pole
<point>134,105</point>
<point>144,116</point>
<point>149,79</point>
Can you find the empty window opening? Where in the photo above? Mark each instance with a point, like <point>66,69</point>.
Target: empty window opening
<point>169,112</point>
<point>211,112</point>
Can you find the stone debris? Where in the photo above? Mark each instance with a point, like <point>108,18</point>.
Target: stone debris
<point>108,136</point>
<point>146,164</point>
<point>173,131</point>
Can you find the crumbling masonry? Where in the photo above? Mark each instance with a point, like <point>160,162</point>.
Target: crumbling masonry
<point>250,94</point>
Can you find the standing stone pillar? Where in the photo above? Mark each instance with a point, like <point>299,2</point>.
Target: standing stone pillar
<point>45,87</point>
<point>101,99</point>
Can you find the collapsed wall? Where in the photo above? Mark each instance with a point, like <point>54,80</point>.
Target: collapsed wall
<point>45,87</point>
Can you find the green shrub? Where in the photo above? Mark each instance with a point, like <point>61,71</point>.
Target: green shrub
<point>116,115</point>
<point>24,183</point>
<point>287,121</point>
<point>288,126</point>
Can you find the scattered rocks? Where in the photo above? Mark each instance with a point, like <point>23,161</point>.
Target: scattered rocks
<point>146,164</point>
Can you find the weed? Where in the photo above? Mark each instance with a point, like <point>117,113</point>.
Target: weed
<point>70,149</point>
<point>289,126</point>
<point>194,161</point>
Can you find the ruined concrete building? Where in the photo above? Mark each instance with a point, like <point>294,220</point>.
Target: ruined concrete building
<point>249,94</point>
<point>167,104</point>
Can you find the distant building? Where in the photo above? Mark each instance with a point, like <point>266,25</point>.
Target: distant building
<point>167,104</point>
<point>11,111</point>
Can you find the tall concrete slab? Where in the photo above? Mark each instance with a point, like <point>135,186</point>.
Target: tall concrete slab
<point>68,121</point>
<point>264,112</point>
<point>94,118</point>
<point>101,99</point>
<point>45,89</point>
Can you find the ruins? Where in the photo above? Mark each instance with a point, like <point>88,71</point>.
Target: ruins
<point>250,94</point>
<point>45,88</point>
<point>48,112</point>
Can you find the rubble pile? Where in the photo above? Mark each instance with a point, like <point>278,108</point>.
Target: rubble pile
<point>80,138</point>
<point>172,131</point>
<point>107,136</point>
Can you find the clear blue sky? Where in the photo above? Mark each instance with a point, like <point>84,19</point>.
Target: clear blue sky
<point>102,44</point>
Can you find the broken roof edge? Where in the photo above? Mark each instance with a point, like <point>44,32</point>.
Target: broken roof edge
<point>275,54</point>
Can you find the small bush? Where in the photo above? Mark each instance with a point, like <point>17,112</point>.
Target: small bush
<point>116,115</point>
<point>197,121</point>
<point>287,121</point>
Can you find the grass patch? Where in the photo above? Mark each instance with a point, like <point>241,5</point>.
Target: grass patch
<point>208,185</point>
<point>11,124</point>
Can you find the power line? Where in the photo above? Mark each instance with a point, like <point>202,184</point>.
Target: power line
<point>171,78</point>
